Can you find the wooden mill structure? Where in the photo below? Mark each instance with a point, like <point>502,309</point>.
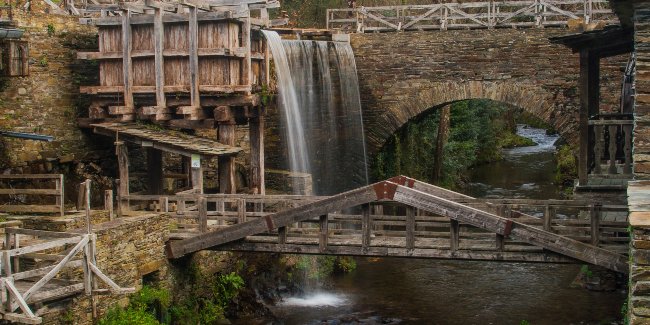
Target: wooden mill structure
<point>190,65</point>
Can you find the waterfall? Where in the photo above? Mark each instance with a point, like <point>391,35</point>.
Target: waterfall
<point>318,84</point>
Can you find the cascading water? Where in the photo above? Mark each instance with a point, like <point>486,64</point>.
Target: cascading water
<point>320,103</point>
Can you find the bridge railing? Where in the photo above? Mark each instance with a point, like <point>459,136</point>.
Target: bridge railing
<point>471,15</point>
<point>612,145</point>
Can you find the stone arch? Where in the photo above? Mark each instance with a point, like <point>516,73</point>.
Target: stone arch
<point>532,99</point>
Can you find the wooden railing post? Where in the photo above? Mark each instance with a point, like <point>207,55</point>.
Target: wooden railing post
<point>612,149</point>
<point>598,148</point>
<point>108,203</point>
<point>366,227</point>
<point>410,228</point>
<point>203,214</point>
<point>627,129</point>
<point>163,202</point>
<point>594,214</point>
<point>81,196</point>
<point>16,258</point>
<point>549,215</point>
<point>89,224</point>
<point>60,199</point>
<point>241,210</point>
<point>324,232</point>
<point>454,235</point>
<point>502,211</point>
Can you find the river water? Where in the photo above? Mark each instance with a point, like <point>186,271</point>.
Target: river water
<point>418,291</point>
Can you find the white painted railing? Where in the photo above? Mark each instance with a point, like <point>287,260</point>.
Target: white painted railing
<point>471,15</point>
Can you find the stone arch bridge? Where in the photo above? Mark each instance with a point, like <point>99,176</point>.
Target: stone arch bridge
<point>405,74</point>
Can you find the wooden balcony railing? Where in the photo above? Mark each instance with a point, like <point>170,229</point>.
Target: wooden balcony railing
<point>612,144</point>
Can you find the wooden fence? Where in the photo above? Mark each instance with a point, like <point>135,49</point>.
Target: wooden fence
<point>57,192</point>
<point>612,145</point>
<point>470,15</point>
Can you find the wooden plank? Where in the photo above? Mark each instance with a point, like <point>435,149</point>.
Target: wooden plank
<point>44,270</point>
<point>108,203</point>
<point>549,215</point>
<point>256,135</point>
<point>44,246</point>
<point>226,134</point>
<point>114,287</point>
<point>40,233</point>
<point>55,294</point>
<point>158,30</point>
<point>30,176</point>
<point>29,191</point>
<point>126,60</point>
<point>594,218</point>
<point>20,301</point>
<point>30,208</point>
<point>246,64</point>
<point>193,35</point>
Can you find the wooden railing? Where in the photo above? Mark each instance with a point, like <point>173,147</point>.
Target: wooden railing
<point>57,192</point>
<point>612,144</point>
<point>487,14</point>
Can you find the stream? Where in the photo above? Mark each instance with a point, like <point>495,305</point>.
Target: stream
<point>419,291</point>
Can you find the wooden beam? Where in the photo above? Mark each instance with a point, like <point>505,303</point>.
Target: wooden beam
<point>193,33</point>
<point>324,233</point>
<point>123,166</point>
<point>246,65</point>
<point>126,59</point>
<point>256,135</point>
<point>226,135</point>
<point>410,228</point>
<point>158,36</point>
<point>366,227</point>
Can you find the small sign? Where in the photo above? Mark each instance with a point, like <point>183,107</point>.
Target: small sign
<point>196,161</point>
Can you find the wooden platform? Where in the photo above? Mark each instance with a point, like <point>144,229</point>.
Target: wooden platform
<point>427,222</point>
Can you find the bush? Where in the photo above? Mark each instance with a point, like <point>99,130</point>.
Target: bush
<point>129,316</point>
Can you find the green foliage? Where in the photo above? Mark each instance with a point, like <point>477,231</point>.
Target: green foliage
<point>567,167</point>
<point>625,314</point>
<point>316,267</point>
<point>129,316</point>
<point>345,264</point>
<point>479,129</point>
<point>266,96</point>
<point>43,61</point>
<point>586,271</point>
<point>524,322</point>
<point>513,140</point>
<point>51,30</point>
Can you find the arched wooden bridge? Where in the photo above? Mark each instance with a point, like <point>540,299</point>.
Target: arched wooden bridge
<point>401,217</point>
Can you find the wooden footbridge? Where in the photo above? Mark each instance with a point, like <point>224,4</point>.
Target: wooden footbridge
<point>401,217</point>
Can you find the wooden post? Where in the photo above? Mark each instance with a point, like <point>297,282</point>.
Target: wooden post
<point>366,227</point>
<point>108,203</point>
<point>81,196</point>
<point>594,214</point>
<point>60,199</point>
<point>627,129</point>
<point>158,36</point>
<point>282,235</point>
<point>16,258</point>
<point>589,105</point>
<point>598,148</point>
<point>443,134</point>
<point>246,67</point>
<point>410,228</point>
<point>241,210</point>
<point>613,130</point>
<point>226,134</point>
<point>89,224</point>
<point>256,135</point>
<point>123,166</point>
<point>454,235</point>
<point>549,215</point>
<point>194,57</point>
<point>164,204</point>
<point>323,236</point>
<point>155,171</point>
<point>503,211</point>
<point>126,59</point>
<point>203,214</point>
<point>197,178</point>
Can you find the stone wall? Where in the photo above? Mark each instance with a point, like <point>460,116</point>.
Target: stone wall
<point>127,249</point>
<point>402,75</point>
<point>641,153</point>
<point>47,101</point>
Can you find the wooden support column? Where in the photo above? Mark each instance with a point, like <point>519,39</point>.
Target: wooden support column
<point>123,166</point>
<point>194,57</point>
<point>594,216</point>
<point>126,60</point>
<point>454,238</point>
<point>589,106</point>
<point>226,134</point>
<point>366,227</point>
<point>246,68</point>
<point>323,236</point>
<point>108,203</point>
<point>155,171</point>
<point>256,135</point>
<point>197,178</point>
<point>549,215</point>
<point>158,36</point>
<point>502,211</point>
<point>443,134</point>
<point>410,228</point>
<point>203,214</point>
